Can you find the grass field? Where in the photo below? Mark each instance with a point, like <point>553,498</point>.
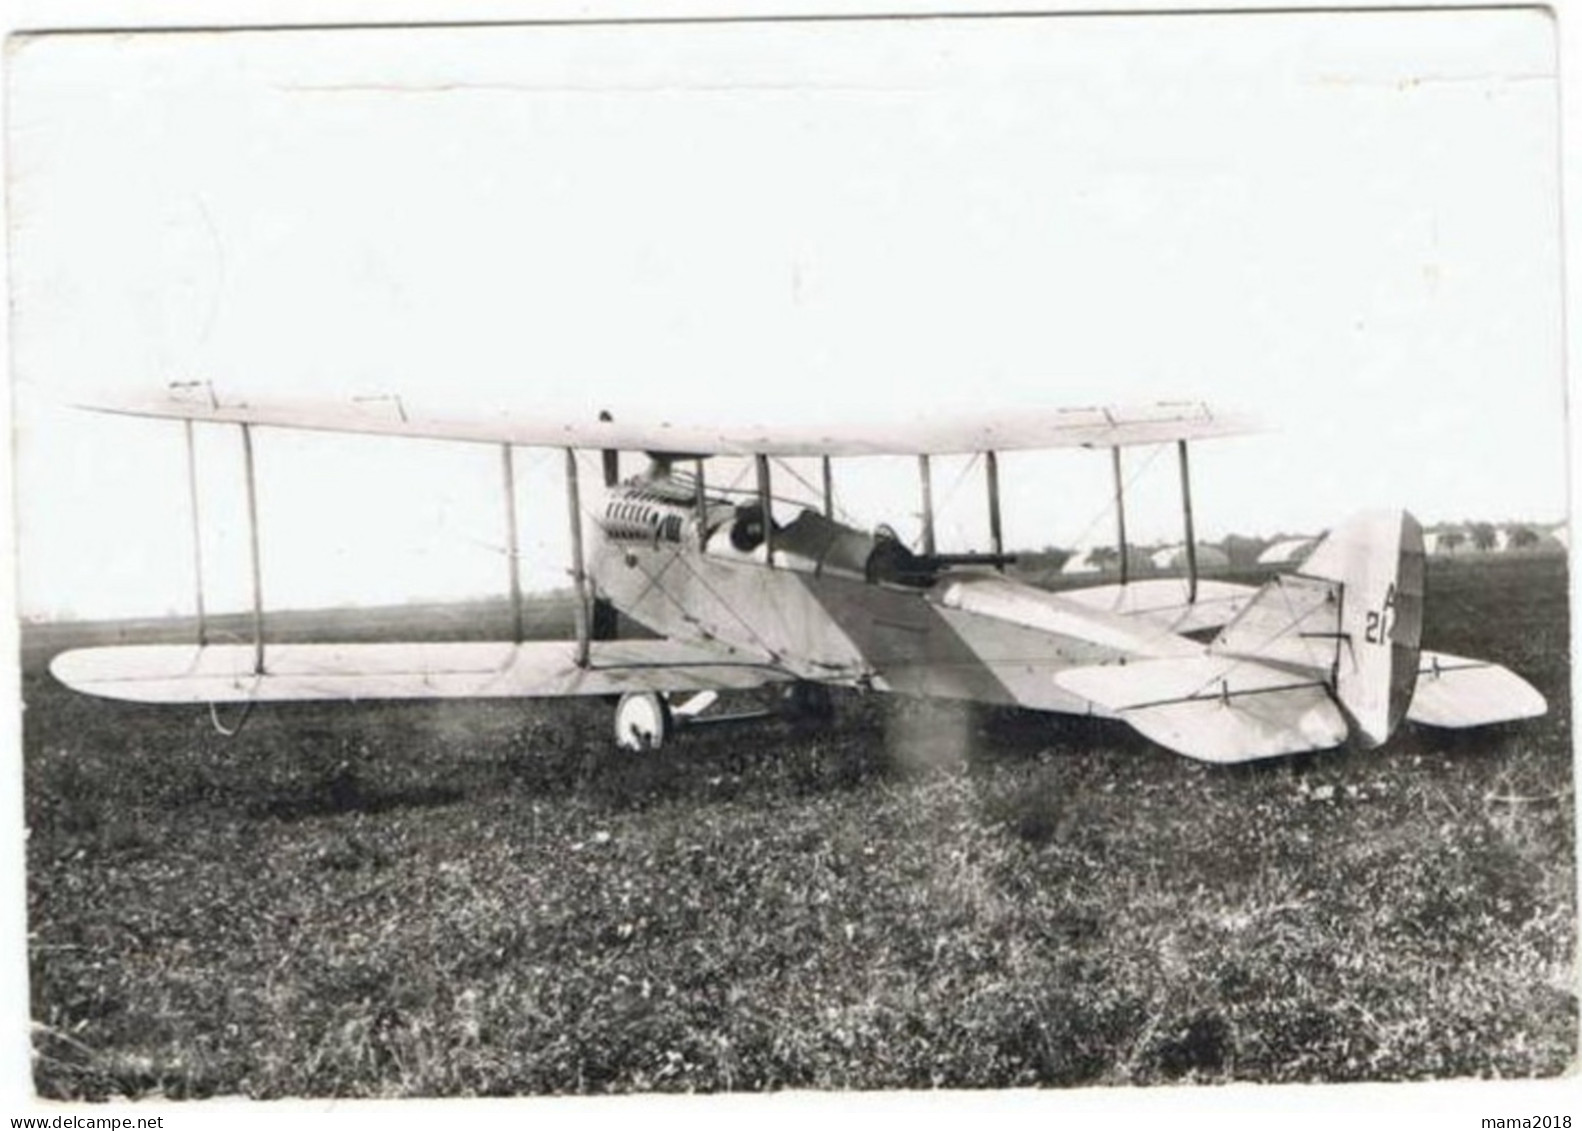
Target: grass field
<point>449,899</point>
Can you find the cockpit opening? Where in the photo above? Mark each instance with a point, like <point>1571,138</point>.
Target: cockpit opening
<point>668,511</point>
<point>748,528</point>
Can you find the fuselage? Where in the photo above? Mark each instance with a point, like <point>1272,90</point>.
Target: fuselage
<point>834,603</point>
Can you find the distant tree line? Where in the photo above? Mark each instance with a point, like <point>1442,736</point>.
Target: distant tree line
<point>1243,551</point>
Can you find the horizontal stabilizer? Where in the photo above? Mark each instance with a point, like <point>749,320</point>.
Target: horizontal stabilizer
<point>223,673</point>
<point>1453,691</point>
<point>1214,708</point>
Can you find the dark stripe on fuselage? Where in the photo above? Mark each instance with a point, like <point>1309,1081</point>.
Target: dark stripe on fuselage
<point>906,640</point>
<point>826,626</point>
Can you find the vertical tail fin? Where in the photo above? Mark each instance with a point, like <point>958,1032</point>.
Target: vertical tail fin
<point>1377,557</point>
<point>1353,616</point>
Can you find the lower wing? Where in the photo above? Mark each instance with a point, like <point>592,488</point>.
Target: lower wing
<point>223,673</point>
<point>1167,603</point>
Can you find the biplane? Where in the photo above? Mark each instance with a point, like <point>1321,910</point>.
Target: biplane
<point>744,590</point>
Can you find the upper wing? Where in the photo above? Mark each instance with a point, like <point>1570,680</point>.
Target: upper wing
<point>223,673</point>
<point>1026,429</point>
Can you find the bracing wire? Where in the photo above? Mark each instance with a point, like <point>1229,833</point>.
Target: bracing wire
<point>841,514</point>
<point>1296,621</point>
<point>954,489</point>
<point>1107,510</point>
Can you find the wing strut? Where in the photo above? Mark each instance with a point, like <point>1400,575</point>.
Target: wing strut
<point>700,498</point>
<point>252,538</point>
<point>1186,512</point>
<point>991,473</point>
<point>761,462</point>
<point>579,573</point>
<point>512,551</point>
<point>829,488</point>
<point>197,534</point>
<point>926,475</point>
<point>1120,511</point>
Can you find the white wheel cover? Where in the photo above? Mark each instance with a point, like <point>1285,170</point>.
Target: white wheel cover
<point>639,722</point>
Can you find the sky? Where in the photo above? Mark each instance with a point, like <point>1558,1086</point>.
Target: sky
<point>1346,225</point>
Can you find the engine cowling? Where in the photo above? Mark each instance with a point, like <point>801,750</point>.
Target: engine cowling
<point>636,514</point>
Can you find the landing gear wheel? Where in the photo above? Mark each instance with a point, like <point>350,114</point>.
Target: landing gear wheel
<point>642,721</point>
<point>808,705</point>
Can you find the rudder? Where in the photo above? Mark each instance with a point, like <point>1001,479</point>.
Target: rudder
<point>1377,559</point>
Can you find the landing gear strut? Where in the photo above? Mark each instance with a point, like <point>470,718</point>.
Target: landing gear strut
<point>646,720</point>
